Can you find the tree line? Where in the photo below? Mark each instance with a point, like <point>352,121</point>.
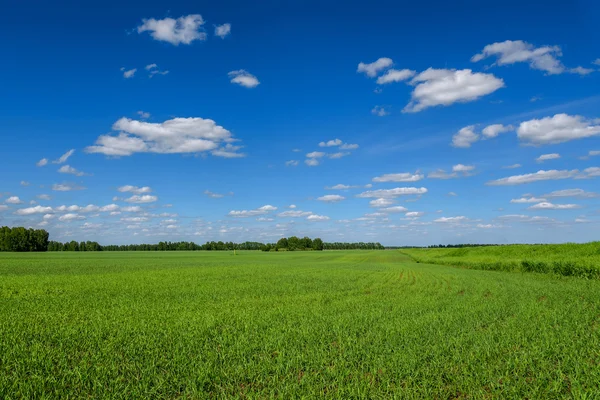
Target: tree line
<point>21,239</point>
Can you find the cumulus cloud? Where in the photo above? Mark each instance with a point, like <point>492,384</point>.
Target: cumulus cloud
<point>177,135</point>
<point>315,154</point>
<point>449,220</point>
<point>395,75</point>
<point>154,70</point>
<point>463,168</point>
<point>491,131</point>
<point>243,78</point>
<point>443,87</point>
<point>399,177</point>
<point>183,30</point>
<point>391,193</point>
<point>141,199</point>
<point>317,218</point>
<point>252,213</point>
<point>528,200</point>
<point>414,214</point>
<point>557,129</point>
<point>70,217</point>
<point>13,200</point>
<point>549,206</point>
<point>311,162</point>
<point>331,143</point>
<point>380,111</point>
<point>213,195</point>
<point>339,154</point>
<point>394,209</point>
<point>43,197</point>
<point>34,210</point>
<point>294,214</point>
<point>458,170</point>
<point>134,189</point>
<point>349,146</point>
<point>372,69</point>
<point>62,159</point>
<point>25,183</point>
<point>465,137</point>
<point>291,163</point>
<point>223,30</point>
<point>381,202</point>
<point>331,198</point>
<point>42,162</point>
<point>66,187</point>
<point>340,186</point>
<point>128,73</point>
<point>143,114</point>
<point>67,169</point>
<point>546,157</point>
<point>514,51</point>
<point>109,208</point>
<point>572,193</point>
<point>541,175</point>
<point>581,70</point>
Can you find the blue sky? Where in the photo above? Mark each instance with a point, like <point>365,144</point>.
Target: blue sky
<point>239,121</point>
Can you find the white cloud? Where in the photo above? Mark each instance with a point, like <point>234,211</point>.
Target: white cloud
<point>572,193</point>
<point>331,143</point>
<point>315,154</point>
<point>133,209</point>
<point>399,177</point>
<point>391,193</point>
<point>141,199</point>
<point>25,183</point>
<point>134,189</point>
<point>228,151</point>
<point>450,220</point>
<point>541,175</point>
<point>557,129</point>
<point>373,68</point>
<point>13,200</point>
<point>294,214</point>
<point>67,169</point>
<point>148,68</point>
<point>177,135</point>
<point>291,163</point>
<point>546,157</point>
<point>48,216</point>
<point>463,168</point>
<point>395,209</point>
<point>590,172</point>
<point>414,214</point>
<point>129,73</point>
<point>512,166</point>
<point>70,217</point>
<point>441,174</point>
<point>43,197</point>
<point>380,111</point>
<point>143,114</point>
<point>510,52</point>
<point>395,75</point>
<point>243,78</point>
<point>581,71</point>
<point>252,213</point>
<point>213,195</point>
<point>339,154</point>
<point>34,210</point>
<point>42,162</point>
<point>154,70</point>
<point>311,162</point>
<point>134,219</point>
<point>528,200</point>
<point>465,137</point>
<point>487,226</point>
<point>596,61</point>
<point>381,202</point>
<point>223,30</point>
<point>292,206</point>
<point>340,186</point>
<point>453,194</point>
<point>435,87</point>
<point>316,218</point>
<point>62,159</point>
<point>109,208</point>
<point>66,187</point>
<point>491,131</point>
<point>550,206</point>
<point>183,30</point>
<point>347,146</point>
<point>331,198</point>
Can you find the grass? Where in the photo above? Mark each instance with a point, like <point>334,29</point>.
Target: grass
<point>338,324</point>
<point>568,259</point>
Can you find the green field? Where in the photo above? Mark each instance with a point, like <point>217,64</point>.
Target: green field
<point>333,324</point>
<point>569,259</point>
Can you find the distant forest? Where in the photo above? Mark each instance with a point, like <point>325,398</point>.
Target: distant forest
<point>24,240</point>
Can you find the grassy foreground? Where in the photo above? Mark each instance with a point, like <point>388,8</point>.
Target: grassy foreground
<point>339,324</point>
<point>570,259</point>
